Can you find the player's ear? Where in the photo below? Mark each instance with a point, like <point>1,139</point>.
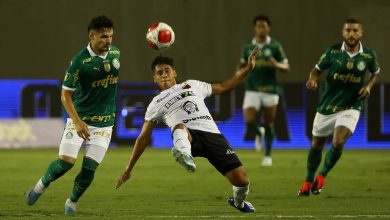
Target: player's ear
<point>91,35</point>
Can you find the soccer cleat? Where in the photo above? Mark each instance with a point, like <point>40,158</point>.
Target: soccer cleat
<point>33,195</point>
<point>184,159</point>
<point>305,189</point>
<point>70,207</point>
<point>248,207</point>
<point>267,161</point>
<point>318,185</point>
<point>259,140</point>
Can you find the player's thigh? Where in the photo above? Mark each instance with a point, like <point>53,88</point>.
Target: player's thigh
<point>70,143</point>
<point>251,105</point>
<point>269,115</point>
<point>238,177</point>
<point>98,143</point>
<point>345,126</point>
<point>323,125</point>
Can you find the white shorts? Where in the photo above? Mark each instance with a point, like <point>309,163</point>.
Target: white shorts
<point>324,125</point>
<point>258,99</point>
<point>95,147</point>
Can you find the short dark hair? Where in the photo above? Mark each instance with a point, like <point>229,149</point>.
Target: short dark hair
<point>100,22</point>
<point>261,18</point>
<point>162,60</point>
<point>352,21</point>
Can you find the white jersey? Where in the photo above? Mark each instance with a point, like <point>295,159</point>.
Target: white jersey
<point>183,104</point>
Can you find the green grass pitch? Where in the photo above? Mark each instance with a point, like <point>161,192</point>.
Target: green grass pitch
<point>358,187</point>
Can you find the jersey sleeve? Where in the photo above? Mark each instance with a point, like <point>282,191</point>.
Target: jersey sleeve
<point>280,55</point>
<point>152,113</point>
<point>324,62</point>
<point>203,87</point>
<point>374,66</point>
<point>71,77</point>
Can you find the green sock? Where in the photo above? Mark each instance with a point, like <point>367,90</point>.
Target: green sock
<point>254,126</point>
<point>313,161</point>
<point>269,137</point>
<point>333,155</point>
<point>55,170</point>
<point>84,178</point>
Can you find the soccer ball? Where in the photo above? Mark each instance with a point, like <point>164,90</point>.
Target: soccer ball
<point>160,36</point>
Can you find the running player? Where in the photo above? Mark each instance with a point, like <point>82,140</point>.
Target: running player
<point>88,95</point>
<point>341,102</point>
<point>262,90</point>
<point>182,108</point>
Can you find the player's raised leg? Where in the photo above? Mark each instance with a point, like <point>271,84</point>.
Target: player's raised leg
<point>240,181</point>
<point>182,147</point>
<point>251,106</point>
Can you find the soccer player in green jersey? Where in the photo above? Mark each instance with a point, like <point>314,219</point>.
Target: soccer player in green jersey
<point>341,102</point>
<point>262,93</point>
<point>88,95</point>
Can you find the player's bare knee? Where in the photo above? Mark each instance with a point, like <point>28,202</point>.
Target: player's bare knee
<point>318,144</point>
<point>249,115</point>
<point>179,126</point>
<point>67,159</point>
<point>339,141</point>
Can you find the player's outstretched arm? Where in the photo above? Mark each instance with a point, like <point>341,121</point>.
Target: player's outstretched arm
<point>238,78</point>
<point>80,126</point>
<point>312,82</point>
<point>282,67</point>
<point>365,91</point>
<point>140,144</point>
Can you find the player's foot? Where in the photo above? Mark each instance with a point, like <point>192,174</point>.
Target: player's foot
<point>184,159</point>
<point>248,207</point>
<point>70,207</point>
<point>35,192</point>
<point>305,189</point>
<point>267,161</point>
<point>318,184</point>
<point>259,139</point>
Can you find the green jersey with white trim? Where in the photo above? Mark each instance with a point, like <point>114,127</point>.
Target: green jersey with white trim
<point>345,77</point>
<point>263,76</point>
<point>94,81</point>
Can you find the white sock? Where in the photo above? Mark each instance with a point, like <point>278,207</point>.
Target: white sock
<point>181,142</point>
<point>240,194</point>
<point>39,187</point>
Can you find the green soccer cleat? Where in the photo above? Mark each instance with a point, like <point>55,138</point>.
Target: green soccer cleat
<point>184,159</point>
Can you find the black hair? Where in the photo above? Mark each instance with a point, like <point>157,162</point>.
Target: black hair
<point>261,18</point>
<point>352,21</point>
<point>162,60</point>
<point>100,22</point>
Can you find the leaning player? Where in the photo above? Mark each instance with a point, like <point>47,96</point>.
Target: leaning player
<point>182,108</point>
<point>261,95</point>
<point>88,95</point>
<point>341,102</point>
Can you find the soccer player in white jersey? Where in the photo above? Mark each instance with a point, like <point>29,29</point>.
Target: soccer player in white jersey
<point>182,108</point>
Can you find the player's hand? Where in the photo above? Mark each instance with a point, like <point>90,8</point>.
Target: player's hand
<point>364,92</point>
<point>312,84</point>
<point>252,59</point>
<point>82,130</point>
<point>125,176</point>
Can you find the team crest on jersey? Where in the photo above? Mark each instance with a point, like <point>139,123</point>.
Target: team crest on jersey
<point>116,63</point>
<point>186,86</point>
<point>361,65</point>
<point>350,64</point>
<point>267,52</point>
<point>107,66</point>
<point>69,135</point>
<point>190,107</point>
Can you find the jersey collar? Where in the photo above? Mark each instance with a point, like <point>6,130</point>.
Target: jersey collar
<point>350,54</point>
<point>267,41</point>
<point>93,54</point>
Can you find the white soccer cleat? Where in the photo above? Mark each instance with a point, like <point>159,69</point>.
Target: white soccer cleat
<point>184,159</point>
<point>70,207</point>
<point>259,139</point>
<point>267,161</point>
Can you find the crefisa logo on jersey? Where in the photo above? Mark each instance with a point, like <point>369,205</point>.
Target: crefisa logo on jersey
<point>190,107</point>
<point>116,63</point>
<point>361,65</point>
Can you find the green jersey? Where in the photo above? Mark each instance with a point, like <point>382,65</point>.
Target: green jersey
<point>345,77</point>
<point>263,76</point>
<point>94,79</point>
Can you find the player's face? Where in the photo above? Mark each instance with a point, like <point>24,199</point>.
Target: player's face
<point>352,34</point>
<point>261,29</point>
<point>101,39</point>
<point>164,76</point>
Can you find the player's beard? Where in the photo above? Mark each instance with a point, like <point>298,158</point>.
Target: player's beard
<point>351,42</point>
